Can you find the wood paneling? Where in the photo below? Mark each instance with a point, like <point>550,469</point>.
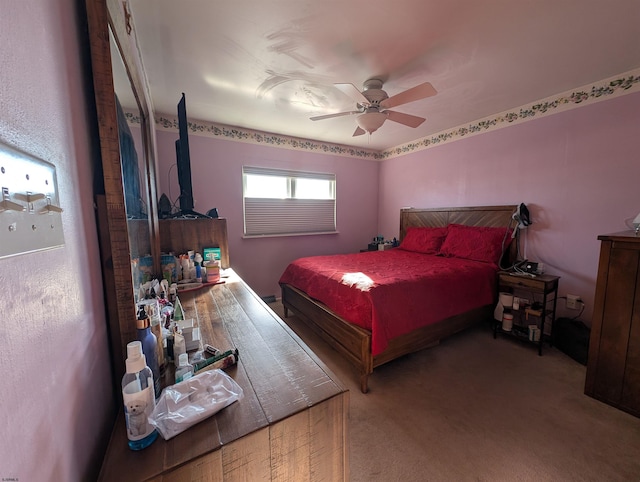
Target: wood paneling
<point>117,243</point>
<point>494,216</point>
<point>182,235</point>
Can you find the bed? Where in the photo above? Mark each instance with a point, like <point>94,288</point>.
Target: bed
<point>376,306</point>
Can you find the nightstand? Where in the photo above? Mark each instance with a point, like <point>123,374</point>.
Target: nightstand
<point>376,247</point>
<point>541,292</point>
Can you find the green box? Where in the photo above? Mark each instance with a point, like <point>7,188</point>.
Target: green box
<point>211,254</point>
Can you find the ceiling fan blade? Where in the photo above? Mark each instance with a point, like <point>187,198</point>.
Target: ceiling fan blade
<point>406,119</point>
<point>353,92</point>
<point>359,131</point>
<point>418,92</point>
<point>329,116</point>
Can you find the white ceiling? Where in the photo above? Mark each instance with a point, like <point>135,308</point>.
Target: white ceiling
<point>270,65</point>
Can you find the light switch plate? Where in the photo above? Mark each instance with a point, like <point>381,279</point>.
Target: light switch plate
<point>30,211</point>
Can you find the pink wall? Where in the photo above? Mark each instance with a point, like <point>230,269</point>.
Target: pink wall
<point>577,172</point>
<point>56,398</point>
<point>217,182</point>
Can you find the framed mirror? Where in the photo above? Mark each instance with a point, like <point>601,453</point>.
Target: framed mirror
<point>126,206</point>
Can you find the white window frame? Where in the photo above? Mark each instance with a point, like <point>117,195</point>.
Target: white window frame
<point>290,216</point>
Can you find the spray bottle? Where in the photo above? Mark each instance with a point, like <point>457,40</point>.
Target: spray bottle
<point>198,262</point>
<point>138,397</point>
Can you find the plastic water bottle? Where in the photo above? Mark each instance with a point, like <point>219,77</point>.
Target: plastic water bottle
<point>184,370</point>
<point>138,397</point>
<point>149,348</point>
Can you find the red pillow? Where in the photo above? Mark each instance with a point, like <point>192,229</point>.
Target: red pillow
<point>424,240</point>
<point>477,243</point>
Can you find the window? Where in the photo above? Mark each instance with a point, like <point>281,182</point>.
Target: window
<point>282,202</point>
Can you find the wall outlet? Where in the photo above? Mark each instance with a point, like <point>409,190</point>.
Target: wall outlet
<point>572,302</point>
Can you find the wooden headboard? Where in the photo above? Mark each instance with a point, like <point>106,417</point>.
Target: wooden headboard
<point>493,216</point>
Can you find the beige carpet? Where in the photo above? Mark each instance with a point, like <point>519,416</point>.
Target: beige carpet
<point>475,408</point>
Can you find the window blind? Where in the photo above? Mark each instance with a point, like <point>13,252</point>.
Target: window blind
<point>288,216</point>
<point>265,171</point>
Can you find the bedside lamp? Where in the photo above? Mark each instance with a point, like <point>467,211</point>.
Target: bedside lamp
<point>635,224</point>
<point>522,218</point>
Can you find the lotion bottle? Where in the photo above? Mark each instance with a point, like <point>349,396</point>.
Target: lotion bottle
<point>156,329</point>
<point>179,345</point>
<point>138,398</point>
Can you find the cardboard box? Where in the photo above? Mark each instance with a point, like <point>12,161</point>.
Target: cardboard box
<point>211,254</point>
<point>191,333</point>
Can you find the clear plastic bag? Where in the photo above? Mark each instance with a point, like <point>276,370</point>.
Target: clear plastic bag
<point>186,403</point>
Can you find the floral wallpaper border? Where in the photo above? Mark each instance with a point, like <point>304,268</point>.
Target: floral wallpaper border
<point>628,83</point>
<point>265,138</point>
<point>615,86</point>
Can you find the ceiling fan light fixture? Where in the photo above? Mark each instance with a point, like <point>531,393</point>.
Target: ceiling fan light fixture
<point>371,121</point>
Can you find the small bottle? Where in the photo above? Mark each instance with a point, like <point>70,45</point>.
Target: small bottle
<point>138,398</point>
<point>149,347</point>
<point>197,259</point>
<point>169,341</point>
<point>179,345</point>
<point>184,264</point>
<point>184,370</point>
<point>156,328</point>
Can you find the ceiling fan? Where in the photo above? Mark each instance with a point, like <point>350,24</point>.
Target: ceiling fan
<point>372,103</point>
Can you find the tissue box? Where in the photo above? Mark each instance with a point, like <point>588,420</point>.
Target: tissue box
<point>211,254</point>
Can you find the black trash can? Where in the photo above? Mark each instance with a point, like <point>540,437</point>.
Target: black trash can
<point>572,337</point>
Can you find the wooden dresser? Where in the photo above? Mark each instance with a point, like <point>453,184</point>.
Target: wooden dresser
<point>291,424</point>
<point>613,367</point>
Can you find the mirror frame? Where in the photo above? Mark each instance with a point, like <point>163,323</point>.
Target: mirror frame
<point>103,15</point>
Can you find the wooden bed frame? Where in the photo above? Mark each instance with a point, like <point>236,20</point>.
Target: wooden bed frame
<point>354,342</point>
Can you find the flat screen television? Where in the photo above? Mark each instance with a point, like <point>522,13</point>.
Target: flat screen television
<point>183,163</point>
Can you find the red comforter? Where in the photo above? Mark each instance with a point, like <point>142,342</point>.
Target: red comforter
<point>395,291</point>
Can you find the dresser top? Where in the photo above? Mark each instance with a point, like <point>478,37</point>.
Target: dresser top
<point>628,235</point>
<point>279,374</point>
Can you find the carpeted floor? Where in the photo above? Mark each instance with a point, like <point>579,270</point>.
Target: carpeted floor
<point>475,408</point>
